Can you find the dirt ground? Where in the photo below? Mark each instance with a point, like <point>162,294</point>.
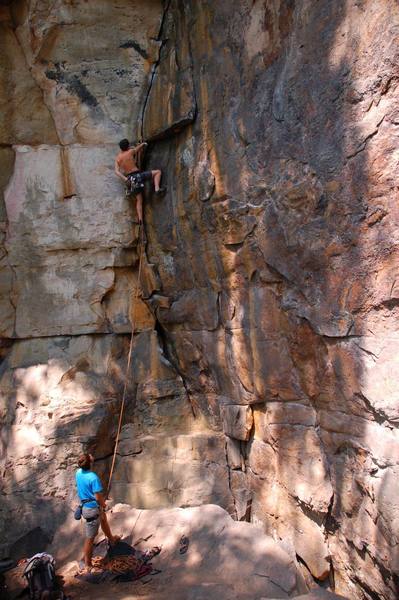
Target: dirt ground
<point>223,559</point>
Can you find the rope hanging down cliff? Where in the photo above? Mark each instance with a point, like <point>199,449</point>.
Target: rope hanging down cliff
<point>129,358</point>
<point>128,168</point>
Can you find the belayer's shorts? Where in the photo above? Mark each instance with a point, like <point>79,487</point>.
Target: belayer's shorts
<point>91,526</point>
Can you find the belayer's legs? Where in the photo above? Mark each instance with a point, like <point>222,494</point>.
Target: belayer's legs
<point>91,530</point>
<point>106,528</point>
<point>139,207</point>
<point>88,551</point>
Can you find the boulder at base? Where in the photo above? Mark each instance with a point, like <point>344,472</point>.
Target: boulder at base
<point>225,559</point>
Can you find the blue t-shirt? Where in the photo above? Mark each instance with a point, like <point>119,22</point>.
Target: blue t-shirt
<point>88,484</point>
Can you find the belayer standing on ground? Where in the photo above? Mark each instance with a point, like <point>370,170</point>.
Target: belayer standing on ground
<point>90,492</point>
<point>126,168</point>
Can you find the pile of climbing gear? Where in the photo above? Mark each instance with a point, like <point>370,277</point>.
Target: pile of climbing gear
<point>121,563</point>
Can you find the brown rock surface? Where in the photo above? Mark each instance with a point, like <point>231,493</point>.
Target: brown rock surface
<point>237,421</point>
<point>90,61</point>
<point>24,116</point>
<point>269,307</point>
<point>319,595</point>
<point>297,236</point>
<point>56,396</point>
<point>172,80</point>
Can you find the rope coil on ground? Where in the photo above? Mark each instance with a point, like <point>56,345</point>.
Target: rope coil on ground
<point>118,564</point>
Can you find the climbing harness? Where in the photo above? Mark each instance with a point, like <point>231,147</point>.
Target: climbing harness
<point>134,184</point>
<point>136,295</point>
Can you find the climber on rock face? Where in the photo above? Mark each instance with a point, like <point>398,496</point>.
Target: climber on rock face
<point>126,168</point>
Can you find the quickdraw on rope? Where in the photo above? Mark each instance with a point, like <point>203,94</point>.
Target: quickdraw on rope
<point>129,358</point>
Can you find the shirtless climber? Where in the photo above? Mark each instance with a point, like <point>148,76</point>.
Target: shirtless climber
<point>90,492</point>
<point>126,168</point>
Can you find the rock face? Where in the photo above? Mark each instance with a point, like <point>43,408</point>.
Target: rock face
<point>283,190</point>
<point>76,81</point>
<point>264,364</point>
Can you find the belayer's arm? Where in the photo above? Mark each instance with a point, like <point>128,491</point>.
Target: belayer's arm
<point>100,499</point>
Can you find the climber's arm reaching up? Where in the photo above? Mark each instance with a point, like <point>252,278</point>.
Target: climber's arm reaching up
<point>137,152</point>
<point>139,147</point>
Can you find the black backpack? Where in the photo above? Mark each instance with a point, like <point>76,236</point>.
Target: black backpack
<point>40,575</point>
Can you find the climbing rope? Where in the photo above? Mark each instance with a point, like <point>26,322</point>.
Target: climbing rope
<point>129,358</point>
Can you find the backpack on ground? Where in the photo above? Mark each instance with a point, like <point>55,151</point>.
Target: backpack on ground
<point>41,578</point>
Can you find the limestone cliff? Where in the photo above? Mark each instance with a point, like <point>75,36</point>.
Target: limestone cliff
<point>265,363</point>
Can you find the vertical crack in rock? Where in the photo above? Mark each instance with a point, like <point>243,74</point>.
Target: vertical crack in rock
<point>235,516</point>
<point>330,527</point>
<point>6,176</point>
<point>154,68</point>
<point>167,348</point>
<point>171,78</point>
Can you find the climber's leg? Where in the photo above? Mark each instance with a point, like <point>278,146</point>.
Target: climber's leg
<point>139,207</point>
<point>156,177</point>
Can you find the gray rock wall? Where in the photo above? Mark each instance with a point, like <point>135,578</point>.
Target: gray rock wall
<point>265,363</point>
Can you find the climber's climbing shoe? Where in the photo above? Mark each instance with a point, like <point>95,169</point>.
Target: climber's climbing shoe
<point>161,191</point>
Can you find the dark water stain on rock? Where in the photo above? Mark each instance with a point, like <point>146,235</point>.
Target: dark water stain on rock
<point>136,46</point>
<point>72,84</point>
